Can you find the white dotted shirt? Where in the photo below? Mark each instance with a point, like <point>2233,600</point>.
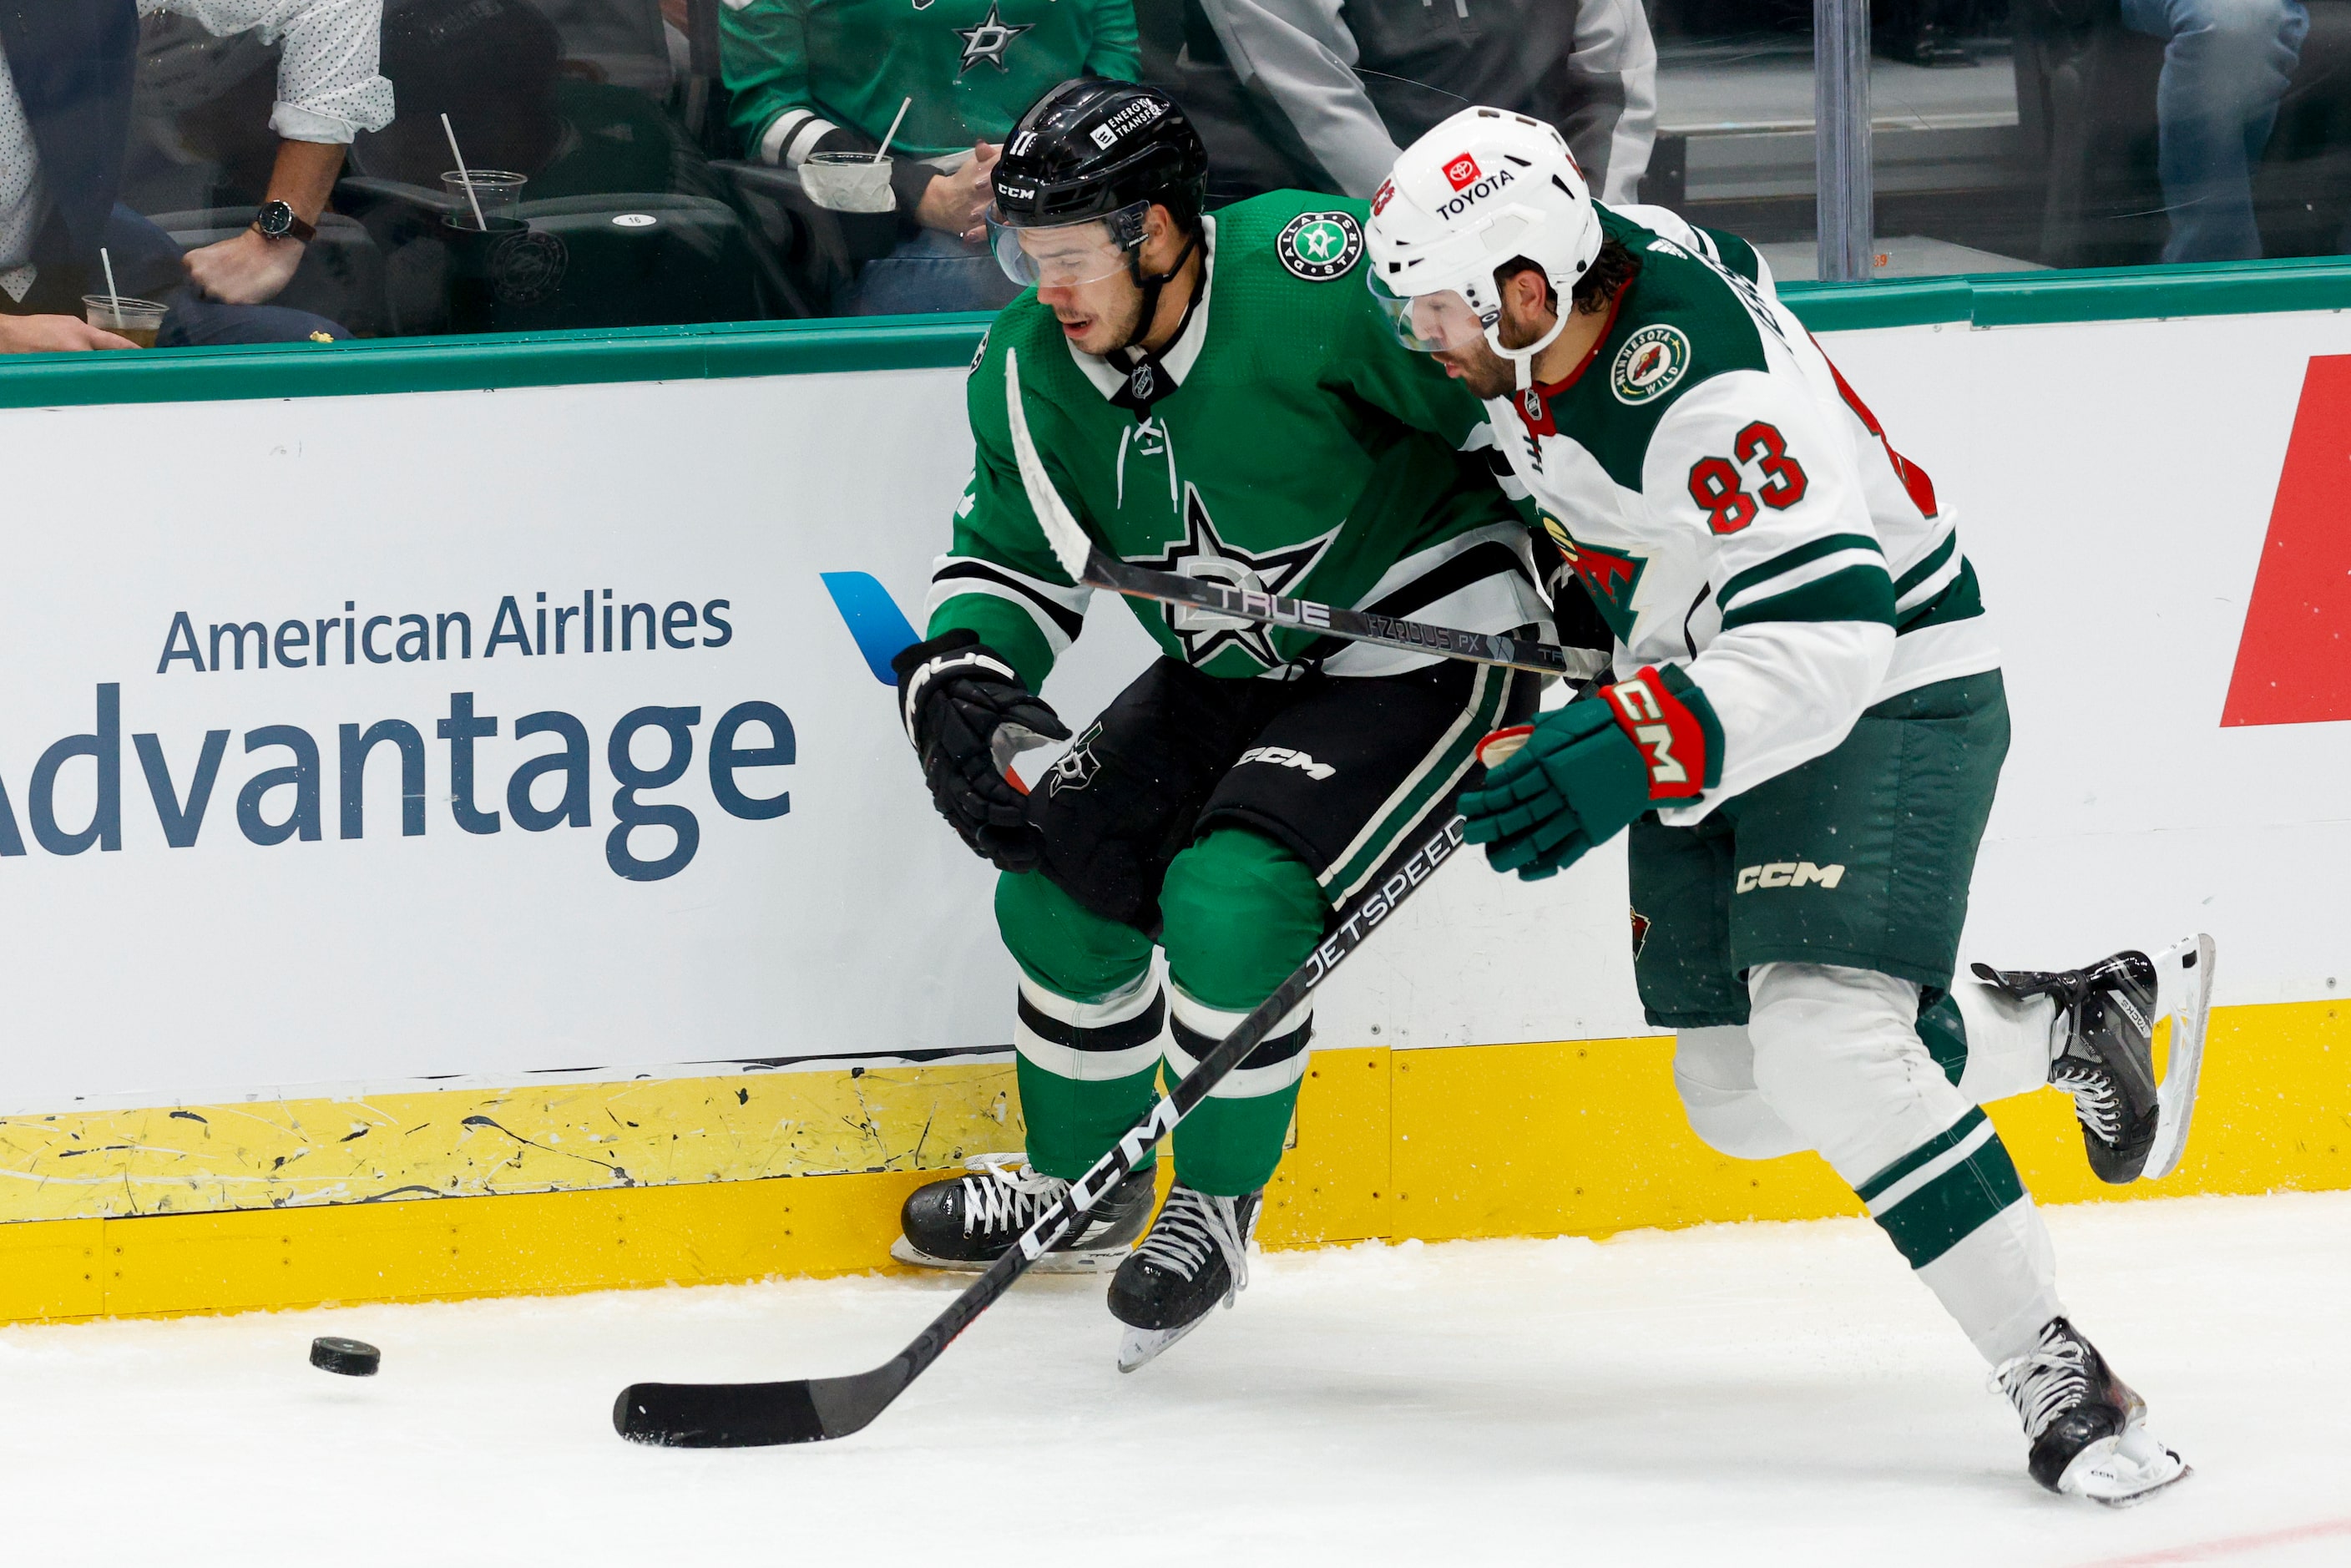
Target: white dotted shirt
<point>328,91</point>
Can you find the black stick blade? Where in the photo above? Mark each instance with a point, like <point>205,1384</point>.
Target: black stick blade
<point>720,1414</point>
<point>758,1415</point>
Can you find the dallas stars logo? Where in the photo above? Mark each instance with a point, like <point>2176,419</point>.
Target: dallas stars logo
<point>1203,554</point>
<point>1319,246</point>
<point>987,41</point>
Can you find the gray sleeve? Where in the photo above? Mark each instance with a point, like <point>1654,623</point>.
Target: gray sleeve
<point>1613,77</point>
<point>1298,56</point>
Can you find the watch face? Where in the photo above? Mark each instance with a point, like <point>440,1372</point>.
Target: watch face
<point>274,218</point>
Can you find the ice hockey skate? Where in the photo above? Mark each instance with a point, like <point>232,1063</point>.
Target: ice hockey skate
<point>966,1222</point>
<point>2088,1428</point>
<point>1196,1255</point>
<point>2132,1127</point>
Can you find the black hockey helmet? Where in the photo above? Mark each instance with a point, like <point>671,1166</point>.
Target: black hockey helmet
<point>1092,149</point>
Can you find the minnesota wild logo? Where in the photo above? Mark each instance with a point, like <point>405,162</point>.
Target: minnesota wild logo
<point>1320,246</point>
<point>1608,577</point>
<point>1650,364</point>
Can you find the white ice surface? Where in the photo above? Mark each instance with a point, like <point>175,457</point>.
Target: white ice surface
<point>1748,1395</point>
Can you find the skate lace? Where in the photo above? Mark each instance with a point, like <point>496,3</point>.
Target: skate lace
<point>1003,1198</point>
<point>2047,1383</point>
<point>2097,1099</point>
<point>1193,1227</point>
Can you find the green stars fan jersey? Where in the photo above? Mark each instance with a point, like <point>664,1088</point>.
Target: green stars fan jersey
<point>799,70</point>
<point>1706,471</point>
<point>1282,442</point>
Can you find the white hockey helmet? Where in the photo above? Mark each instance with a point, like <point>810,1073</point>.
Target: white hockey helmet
<point>1482,188</point>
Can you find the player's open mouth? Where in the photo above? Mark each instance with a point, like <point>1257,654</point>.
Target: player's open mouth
<point>1074,326</point>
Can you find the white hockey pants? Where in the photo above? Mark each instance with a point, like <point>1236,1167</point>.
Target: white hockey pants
<point>1830,1060</point>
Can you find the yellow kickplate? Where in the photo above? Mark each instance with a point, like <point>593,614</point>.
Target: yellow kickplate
<point>1577,1137</point>
<point>95,1165</point>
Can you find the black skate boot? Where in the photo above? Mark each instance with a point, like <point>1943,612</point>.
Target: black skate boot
<point>966,1222</point>
<point>2088,1428</point>
<point>1196,1256</point>
<point>2130,1126</point>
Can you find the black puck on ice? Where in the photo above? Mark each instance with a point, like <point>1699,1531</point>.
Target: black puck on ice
<point>350,1357</point>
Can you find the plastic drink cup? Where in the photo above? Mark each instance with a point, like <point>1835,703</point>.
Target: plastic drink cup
<point>848,182</point>
<point>136,320</point>
<point>497,190</point>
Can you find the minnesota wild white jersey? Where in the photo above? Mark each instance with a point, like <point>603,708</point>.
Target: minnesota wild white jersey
<point>1735,513</point>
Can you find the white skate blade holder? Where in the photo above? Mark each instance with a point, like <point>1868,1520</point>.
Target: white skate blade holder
<point>1139,1345</point>
<point>2123,1470</point>
<point>1054,1262</point>
<point>2184,992</point>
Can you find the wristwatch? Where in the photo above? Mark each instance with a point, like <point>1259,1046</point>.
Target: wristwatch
<point>277,221</point>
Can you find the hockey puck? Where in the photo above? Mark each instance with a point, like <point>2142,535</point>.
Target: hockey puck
<point>350,1357</point>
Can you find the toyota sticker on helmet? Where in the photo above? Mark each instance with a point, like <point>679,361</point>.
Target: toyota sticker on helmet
<point>1461,170</point>
<point>1470,192</point>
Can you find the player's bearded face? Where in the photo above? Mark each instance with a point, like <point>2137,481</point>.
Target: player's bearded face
<point>1472,360</point>
<point>1474,364</point>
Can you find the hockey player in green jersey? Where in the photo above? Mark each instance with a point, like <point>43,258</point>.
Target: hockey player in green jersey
<point>1220,396</point>
<point>1803,737</point>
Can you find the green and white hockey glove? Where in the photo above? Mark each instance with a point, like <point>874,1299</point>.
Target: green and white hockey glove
<point>1586,771</point>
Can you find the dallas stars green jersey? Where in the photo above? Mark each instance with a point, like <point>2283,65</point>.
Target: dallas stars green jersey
<point>801,71</point>
<point>1282,442</point>
<point>1713,480</point>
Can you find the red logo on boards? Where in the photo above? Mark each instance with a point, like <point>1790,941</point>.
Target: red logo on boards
<point>1461,171</point>
<point>1381,197</point>
<point>2294,659</point>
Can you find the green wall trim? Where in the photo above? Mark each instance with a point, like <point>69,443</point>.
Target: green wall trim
<point>2090,294</point>
<point>924,342</point>
<point>473,364</point>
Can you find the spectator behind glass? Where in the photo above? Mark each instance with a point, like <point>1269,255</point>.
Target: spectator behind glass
<point>811,76</point>
<point>2226,63</point>
<point>1319,94</point>
<point>66,72</point>
<point>497,68</point>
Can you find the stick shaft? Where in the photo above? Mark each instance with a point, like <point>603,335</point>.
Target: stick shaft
<point>1087,562</point>
<point>1355,625</point>
<point>1352,925</point>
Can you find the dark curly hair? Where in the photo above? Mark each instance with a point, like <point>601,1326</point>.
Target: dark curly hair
<point>1610,271</point>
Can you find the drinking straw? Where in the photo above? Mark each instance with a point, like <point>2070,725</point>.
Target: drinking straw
<point>114,299</point>
<point>464,178</point>
<point>894,128</point>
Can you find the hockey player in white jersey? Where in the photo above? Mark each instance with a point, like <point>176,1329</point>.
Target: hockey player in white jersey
<point>1802,735</point>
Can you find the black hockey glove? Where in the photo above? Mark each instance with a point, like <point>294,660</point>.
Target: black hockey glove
<point>968,716</point>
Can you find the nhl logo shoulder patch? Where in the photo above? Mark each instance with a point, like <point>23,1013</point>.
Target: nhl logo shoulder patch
<point>1650,364</point>
<point>1320,246</point>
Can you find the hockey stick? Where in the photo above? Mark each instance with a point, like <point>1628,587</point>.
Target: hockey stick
<point>1088,564</point>
<point>809,1410</point>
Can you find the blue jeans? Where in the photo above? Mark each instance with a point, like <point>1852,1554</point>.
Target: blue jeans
<point>932,271</point>
<point>147,263</point>
<point>2226,63</point>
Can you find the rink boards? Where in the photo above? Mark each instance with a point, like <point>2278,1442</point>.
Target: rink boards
<point>267,987</point>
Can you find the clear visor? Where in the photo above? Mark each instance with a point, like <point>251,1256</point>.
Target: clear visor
<point>1064,256</point>
<point>1432,323</point>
